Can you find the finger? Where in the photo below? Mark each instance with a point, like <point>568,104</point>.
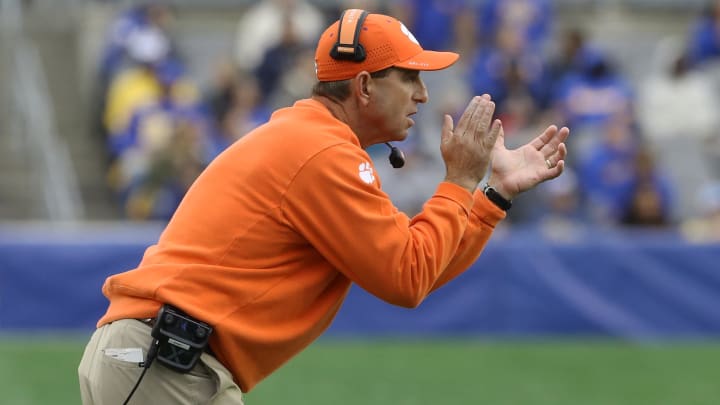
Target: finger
<point>553,143</point>
<point>559,137</point>
<point>564,133</point>
<point>496,136</point>
<point>562,151</point>
<point>448,122</point>
<point>544,138</point>
<point>482,122</point>
<point>477,117</point>
<point>500,140</point>
<point>557,170</point>
<point>447,129</point>
<point>556,157</point>
<point>468,113</point>
<point>553,172</point>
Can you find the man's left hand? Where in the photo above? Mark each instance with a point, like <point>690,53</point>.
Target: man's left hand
<point>518,170</point>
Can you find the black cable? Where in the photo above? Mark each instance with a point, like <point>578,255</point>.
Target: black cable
<point>152,353</point>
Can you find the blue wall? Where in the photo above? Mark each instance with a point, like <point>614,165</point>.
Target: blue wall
<point>634,286</point>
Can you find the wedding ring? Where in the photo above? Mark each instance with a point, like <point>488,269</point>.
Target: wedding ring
<point>547,162</point>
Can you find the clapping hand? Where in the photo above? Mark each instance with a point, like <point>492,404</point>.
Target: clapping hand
<point>467,149</point>
<point>518,170</point>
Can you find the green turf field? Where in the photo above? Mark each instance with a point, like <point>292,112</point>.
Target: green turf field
<point>38,371</point>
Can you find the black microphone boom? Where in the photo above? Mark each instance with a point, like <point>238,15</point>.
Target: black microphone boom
<point>397,157</point>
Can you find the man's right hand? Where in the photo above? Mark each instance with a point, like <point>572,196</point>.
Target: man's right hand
<point>467,149</point>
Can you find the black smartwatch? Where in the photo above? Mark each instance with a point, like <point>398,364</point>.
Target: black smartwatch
<point>496,198</point>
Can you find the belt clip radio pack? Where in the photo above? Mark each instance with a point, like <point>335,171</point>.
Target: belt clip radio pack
<point>180,338</point>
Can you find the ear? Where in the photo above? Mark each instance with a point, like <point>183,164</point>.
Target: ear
<point>363,87</point>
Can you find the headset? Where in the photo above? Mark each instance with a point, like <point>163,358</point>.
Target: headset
<point>349,48</point>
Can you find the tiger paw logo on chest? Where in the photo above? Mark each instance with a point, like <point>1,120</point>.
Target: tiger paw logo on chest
<point>366,173</point>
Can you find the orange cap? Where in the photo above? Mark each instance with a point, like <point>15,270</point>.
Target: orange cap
<point>386,42</point>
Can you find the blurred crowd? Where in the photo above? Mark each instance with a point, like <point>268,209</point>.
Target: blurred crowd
<point>642,153</point>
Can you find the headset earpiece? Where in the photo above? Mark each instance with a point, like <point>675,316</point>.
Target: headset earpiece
<point>348,45</point>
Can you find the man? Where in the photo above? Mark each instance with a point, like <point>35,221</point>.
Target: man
<point>266,243</point>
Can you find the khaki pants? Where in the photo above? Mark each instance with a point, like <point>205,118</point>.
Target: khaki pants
<point>106,380</point>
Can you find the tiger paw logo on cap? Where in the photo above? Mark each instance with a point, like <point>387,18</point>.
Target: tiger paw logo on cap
<point>409,34</point>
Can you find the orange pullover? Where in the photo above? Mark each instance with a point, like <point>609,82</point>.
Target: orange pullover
<point>267,241</point>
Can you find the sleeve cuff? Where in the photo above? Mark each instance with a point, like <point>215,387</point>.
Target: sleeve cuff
<point>486,210</point>
<point>456,193</point>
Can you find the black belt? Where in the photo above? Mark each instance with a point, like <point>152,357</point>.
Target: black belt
<point>151,323</point>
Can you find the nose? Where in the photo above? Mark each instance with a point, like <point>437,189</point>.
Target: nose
<point>421,93</point>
